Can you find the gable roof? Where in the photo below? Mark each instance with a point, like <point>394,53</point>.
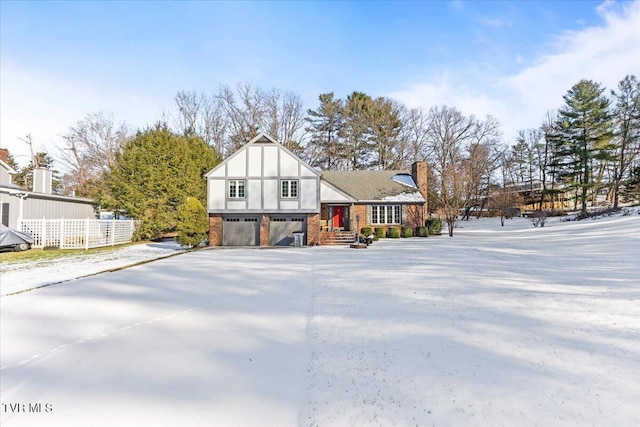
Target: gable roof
<point>367,186</point>
<point>261,138</point>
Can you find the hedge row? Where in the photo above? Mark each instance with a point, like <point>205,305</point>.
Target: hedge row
<point>432,226</point>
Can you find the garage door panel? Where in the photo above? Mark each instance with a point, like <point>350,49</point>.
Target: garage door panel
<point>282,229</point>
<point>240,231</point>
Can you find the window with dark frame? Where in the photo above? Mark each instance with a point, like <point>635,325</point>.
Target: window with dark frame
<point>236,188</point>
<point>289,188</point>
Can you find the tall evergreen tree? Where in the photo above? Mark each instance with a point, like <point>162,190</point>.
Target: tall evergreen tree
<point>386,125</point>
<point>586,127</point>
<point>325,124</point>
<point>154,174</point>
<point>356,132</point>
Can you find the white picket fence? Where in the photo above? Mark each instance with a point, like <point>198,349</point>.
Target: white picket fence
<point>77,233</point>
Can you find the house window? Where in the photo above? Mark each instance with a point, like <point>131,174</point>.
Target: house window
<point>385,214</point>
<point>236,188</point>
<point>289,188</point>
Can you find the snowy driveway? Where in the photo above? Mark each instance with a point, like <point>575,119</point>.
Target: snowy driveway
<point>513,326</point>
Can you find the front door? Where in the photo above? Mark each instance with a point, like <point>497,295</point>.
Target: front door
<point>338,217</point>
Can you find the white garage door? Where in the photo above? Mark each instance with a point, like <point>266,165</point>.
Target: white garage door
<point>240,231</point>
<point>282,229</point>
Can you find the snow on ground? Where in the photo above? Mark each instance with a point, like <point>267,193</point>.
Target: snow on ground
<point>21,276</point>
<point>510,325</point>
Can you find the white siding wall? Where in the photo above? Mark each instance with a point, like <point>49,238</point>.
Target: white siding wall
<point>270,194</point>
<point>237,205</point>
<point>237,165</point>
<point>255,161</point>
<point>329,194</point>
<point>308,193</point>
<point>270,161</point>
<point>254,194</point>
<point>216,194</point>
<point>218,173</point>
<point>307,172</point>
<point>288,204</point>
<point>5,176</point>
<point>288,165</point>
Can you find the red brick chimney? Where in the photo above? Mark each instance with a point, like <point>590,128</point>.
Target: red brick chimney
<point>419,175</point>
<point>4,155</point>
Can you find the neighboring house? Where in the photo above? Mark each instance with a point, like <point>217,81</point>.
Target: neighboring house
<point>263,193</point>
<point>17,203</point>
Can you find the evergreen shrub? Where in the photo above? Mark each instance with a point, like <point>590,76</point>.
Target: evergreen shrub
<point>193,224</point>
<point>393,233</point>
<point>422,232</point>
<point>434,225</point>
<point>380,232</point>
<point>407,232</point>
<point>366,231</point>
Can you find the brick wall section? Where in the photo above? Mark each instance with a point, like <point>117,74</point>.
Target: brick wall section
<point>313,229</point>
<point>419,173</point>
<point>265,230</point>
<point>215,230</point>
<point>358,210</point>
<point>4,155</point>
<point>415,215</point>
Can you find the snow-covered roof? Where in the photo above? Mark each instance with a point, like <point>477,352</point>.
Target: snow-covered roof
<point>416,197</point>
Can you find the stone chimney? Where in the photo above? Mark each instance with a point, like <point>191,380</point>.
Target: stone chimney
<point>419,175</point>
<point>42,180</point>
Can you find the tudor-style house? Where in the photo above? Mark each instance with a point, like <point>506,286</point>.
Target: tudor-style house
<point>263,193</point>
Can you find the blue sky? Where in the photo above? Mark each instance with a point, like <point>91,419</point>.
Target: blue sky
<point>60,61</point>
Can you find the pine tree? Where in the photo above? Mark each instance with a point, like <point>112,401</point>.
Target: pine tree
<point>385,125</point>
<point>356,133</point>
<point>585,124</point>
<point>325,124</point>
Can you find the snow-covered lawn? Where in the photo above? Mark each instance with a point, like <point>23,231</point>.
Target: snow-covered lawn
<point>25,275</point>
<point>497,326</point>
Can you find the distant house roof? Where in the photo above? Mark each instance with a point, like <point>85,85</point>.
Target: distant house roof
<point>388,185</point>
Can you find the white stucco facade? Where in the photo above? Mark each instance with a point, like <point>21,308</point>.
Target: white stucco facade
<point>263,177</point>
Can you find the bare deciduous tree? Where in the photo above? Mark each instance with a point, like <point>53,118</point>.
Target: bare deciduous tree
<point>449,134</point>
<point>626,115</point>
<point>413,145</point>
<point>89,150</point>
